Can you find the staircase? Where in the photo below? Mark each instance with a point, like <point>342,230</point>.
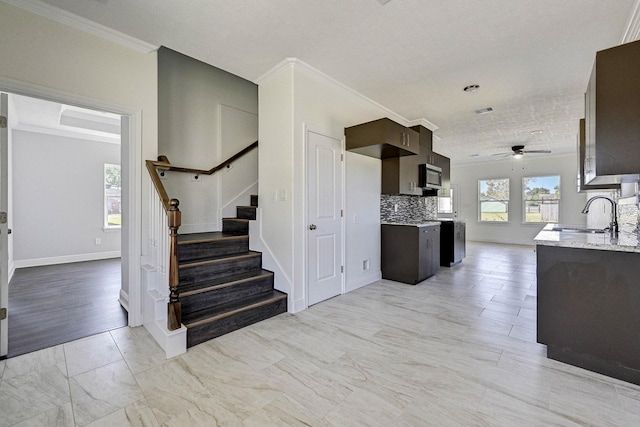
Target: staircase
<point>223,286</point>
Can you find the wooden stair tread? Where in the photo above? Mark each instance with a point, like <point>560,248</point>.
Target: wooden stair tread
<point>205,286</point>
<point>220,258</point>
<point>185,239</point>
<point>201,317</point>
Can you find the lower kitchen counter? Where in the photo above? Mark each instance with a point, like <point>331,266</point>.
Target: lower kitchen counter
<point>588,299</point>
<point>410,251</point>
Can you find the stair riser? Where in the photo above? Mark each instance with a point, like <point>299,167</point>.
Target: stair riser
<point>231,226</point>
<point>246,212</point>
<point>224,267</point>
<point>199,334</point>
<point>226,294</point>
<point>216,248</point>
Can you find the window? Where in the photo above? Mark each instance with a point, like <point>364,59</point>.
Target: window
<point>541,199</point>
<point>112,199</point>
<point>493,200</point>
<point>445,201</point>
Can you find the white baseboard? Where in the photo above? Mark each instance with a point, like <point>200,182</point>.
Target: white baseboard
<point>36,262</point>
<point>364,280</point>
<point>124,300</point>
<point>298,306</point>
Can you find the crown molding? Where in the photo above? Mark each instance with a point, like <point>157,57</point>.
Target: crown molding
<point>74,21</point>
<point>632,30</point>
<point>289,64</point>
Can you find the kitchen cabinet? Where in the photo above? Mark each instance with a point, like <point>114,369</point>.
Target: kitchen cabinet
<point>612,114</point>
<point>452,242</point>
<point>587,309</point>
<point>382,139</point>
<point>581,184</point>
<point>410,253</point>
<point>401,175</point>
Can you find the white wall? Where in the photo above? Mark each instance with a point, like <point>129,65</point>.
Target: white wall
<point>467,176</point>
<point>58,199</point>
<point>43,56</point>
<point>294,96</point>
<point>206,115</point>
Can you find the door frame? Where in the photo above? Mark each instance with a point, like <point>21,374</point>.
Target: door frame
<point>307,128</point>
<point>131,236</point>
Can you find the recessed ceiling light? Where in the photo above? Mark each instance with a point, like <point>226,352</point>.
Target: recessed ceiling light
<point>536,132</point>
<point>484,110</point>
<point>474,155</point>
<point>471,88</point>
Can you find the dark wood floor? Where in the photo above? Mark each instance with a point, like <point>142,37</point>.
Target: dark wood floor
<point>54,304</point>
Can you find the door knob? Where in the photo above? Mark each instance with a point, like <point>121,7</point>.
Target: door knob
<point>312,227</point>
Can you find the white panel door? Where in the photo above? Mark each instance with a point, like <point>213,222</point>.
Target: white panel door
<point>324,217</point>
<point>4,229</point>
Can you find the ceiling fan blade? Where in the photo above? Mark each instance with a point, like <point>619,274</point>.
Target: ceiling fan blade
<point>502,154</point>
<point>536,151</point>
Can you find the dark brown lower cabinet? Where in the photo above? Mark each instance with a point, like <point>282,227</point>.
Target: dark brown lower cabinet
<point>452,242</point>
<point>410,253</point>
<point>589,309</point>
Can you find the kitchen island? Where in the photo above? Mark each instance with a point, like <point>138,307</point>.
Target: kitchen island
<point>589,299</point>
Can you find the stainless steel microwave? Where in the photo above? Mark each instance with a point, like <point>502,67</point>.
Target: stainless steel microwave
<point>430,176</point>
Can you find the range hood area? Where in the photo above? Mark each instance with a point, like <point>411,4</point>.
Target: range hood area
<point>382,139</point>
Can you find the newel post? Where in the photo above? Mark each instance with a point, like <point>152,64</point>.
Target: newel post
<point>174,315</point>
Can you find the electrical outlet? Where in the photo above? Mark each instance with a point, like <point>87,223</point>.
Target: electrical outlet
<point>365,265</point>
<point>274,195</point>
<point>283,195</point>
<point>98,241</point>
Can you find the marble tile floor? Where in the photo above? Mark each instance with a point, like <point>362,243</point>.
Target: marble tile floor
<point>455,350</point>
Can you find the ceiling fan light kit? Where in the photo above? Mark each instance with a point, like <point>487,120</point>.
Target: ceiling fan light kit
<point>518,151</point>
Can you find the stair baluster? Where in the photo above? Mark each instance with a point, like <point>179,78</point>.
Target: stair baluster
<point>174,317</point>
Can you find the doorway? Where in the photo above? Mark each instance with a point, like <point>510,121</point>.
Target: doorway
<point>324,217</point>
<point>66,213</point>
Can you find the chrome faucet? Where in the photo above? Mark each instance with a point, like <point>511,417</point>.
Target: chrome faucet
<point>613,226</point>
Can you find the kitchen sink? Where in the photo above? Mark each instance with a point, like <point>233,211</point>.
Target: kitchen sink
<point>578,230</point>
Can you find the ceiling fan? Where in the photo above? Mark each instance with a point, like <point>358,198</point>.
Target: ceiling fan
<point>517,151</point>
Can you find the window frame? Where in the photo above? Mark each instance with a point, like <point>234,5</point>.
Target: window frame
<point>524,199</point>
<point>106,197</point>
<point>506,201</point>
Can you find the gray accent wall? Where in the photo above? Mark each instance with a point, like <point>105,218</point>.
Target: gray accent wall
<point>205,115</point>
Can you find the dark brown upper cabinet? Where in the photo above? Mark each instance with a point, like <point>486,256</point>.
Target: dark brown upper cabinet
<point>382,139</point>
<point>581,182</point>
<point>612,114</point>
<point>401,175</point>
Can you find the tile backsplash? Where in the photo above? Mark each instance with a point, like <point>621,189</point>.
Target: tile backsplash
<point>628,217</point>
<point>399,208</point>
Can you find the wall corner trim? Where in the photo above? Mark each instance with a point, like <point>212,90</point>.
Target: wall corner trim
<point>79,23</point>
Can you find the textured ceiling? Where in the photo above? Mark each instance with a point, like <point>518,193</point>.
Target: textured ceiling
<point>531,58</point>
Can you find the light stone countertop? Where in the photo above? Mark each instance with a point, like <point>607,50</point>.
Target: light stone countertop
<point>413,223</point>
<point>626,242</point>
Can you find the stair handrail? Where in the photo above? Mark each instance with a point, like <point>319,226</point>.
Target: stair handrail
<point>174,219</point>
